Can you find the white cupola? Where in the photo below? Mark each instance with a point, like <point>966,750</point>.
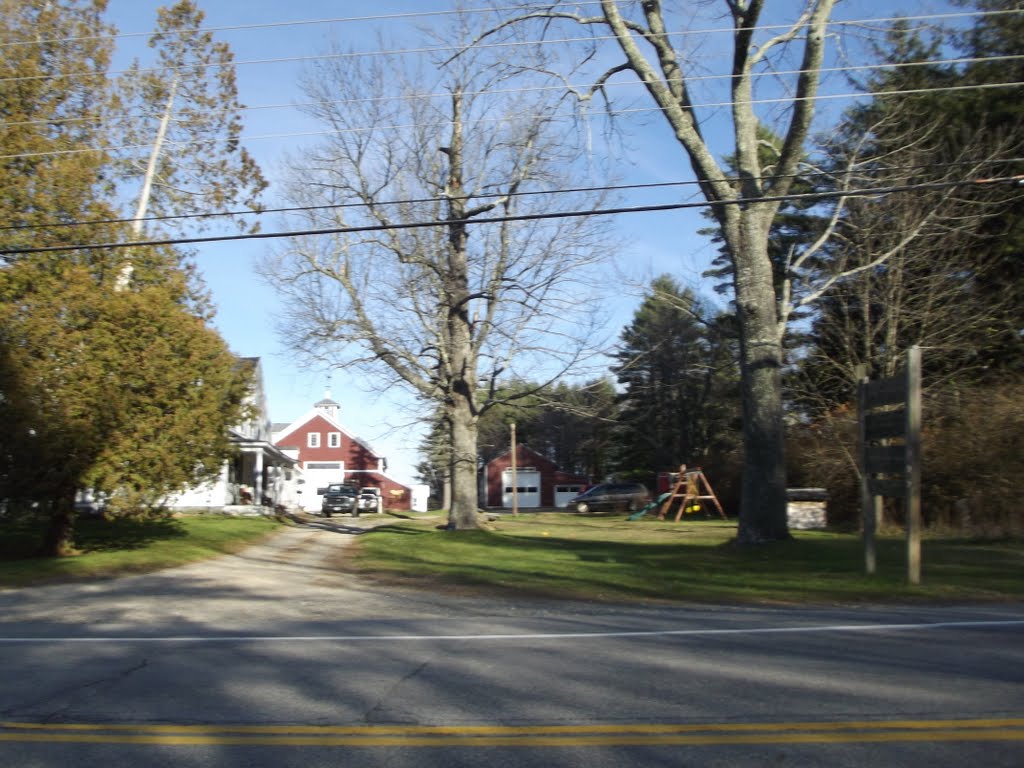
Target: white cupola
<point>327,406</point>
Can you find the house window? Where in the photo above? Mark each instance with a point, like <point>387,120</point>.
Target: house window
<point>323,465</point>
<point>334,439</point>
<point>313,440</point>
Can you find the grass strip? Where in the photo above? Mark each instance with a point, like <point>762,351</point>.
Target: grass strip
<point>124,546</point>
<point>612,559</point>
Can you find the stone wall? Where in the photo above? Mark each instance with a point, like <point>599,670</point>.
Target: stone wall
<point>805,508</point>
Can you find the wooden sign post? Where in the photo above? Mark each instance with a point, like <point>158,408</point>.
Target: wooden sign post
<point>889,420</point>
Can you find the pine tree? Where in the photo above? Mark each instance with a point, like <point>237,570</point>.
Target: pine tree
<point>679,374</point>
<point>996,41</point>
<point>53,172</point>
<point>954,286</point>
<point>952,281</point>
<point>188,100</point>
<point>570,424</point>
<point>127,392</point>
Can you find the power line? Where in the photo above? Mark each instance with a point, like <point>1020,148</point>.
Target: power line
<point>492,195</point>
<point>508,44</point>
<point>295,23</point>
<point>468,11</point>
<point>603,113</point>
<point>99,119</point>
<point>341,206</point>
<point>812,196</point>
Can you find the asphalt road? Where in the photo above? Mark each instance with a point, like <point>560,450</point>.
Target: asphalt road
<point>274,658</point>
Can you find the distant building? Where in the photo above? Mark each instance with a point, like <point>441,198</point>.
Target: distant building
<point>259,474</point>
<point>540,482</point>
<point>326,452</point>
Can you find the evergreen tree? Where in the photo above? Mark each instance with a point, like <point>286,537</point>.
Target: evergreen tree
<point>53,175</point>
<point>568,424</point>
<point>996,41</point>
<point>126,392</point>
<point>951,276</point>
<point>678,370</point>
<point>188,100</point>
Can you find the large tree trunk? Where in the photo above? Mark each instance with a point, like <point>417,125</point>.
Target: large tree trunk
<point>763,506</point>
<point>462,373</point>
<point>58,541</point>
<point>463,512</point>
<point>446,487</point>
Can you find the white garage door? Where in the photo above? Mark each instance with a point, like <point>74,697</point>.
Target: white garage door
<point>565,492</point>
<point>318,474</point>
<point>528,483</point>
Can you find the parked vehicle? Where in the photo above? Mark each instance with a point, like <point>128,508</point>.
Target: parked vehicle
<point>369,500</point>
<point>340,498</point>
<point>628,497</point>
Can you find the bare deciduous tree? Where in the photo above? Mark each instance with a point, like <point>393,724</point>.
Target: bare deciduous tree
<point>745,198</point>
<point>746,191</point>
<point>911,260</point>
<point>446,309</point>
<point>895,272</point>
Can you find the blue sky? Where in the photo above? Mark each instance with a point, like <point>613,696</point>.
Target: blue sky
<point>652,242</point>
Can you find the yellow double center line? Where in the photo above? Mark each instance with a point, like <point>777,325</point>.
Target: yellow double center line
<point>993,729</point>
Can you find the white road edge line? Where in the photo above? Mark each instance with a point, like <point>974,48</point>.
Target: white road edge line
<point>993,624</point>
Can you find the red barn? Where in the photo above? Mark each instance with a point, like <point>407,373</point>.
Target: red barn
<point>540,483</point>
<point>328,453</point>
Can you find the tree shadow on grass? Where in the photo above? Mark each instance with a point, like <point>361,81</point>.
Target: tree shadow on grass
<point>125,533</point>
<point>19,540</point>
<point>394,529</point>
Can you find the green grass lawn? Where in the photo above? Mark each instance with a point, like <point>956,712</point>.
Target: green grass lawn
<point>561,555</point>
<point>116,547</point>
<point>610,558</point>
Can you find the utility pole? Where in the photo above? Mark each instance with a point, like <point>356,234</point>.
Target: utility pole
<point>515,474</point>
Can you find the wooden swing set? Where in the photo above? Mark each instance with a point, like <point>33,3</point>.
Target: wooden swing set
<point>692,487</point>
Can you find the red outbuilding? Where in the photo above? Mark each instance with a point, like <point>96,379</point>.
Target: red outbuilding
<point>539,482</point>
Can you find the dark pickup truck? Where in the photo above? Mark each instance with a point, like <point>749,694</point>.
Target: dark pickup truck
<point>340,498</point>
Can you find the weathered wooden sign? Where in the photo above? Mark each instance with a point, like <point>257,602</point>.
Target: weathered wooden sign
<point>889,417</point>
